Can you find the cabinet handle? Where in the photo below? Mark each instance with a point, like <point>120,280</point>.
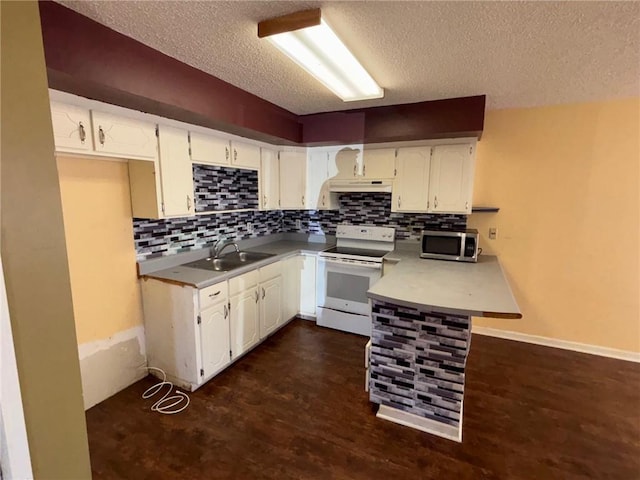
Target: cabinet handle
<point>83,134</point>
<point>211,295</point>
<point>101,135</point>
<point>435,202</point>
<point>364,170</point>
<point>323,199</point>
<point>188,202</point>
<point>264,204</point>
<point>398,201</point>
<point>303,200</point>
<point>226,153</point>
<point>355,166</point>
<point>235,155</point>
<point>263,293</point>
<point>257,296</point>
<point>466,205</point>
<point>226,311</point>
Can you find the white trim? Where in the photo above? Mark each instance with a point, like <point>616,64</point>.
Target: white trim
<point>556,343</point>
<point>420,423</point>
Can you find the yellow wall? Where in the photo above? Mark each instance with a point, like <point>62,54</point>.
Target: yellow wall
<point>99,232</point>
<point>566,179</point>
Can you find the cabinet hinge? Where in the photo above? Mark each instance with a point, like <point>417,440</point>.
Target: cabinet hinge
<point>395,172</point>
<point>470,150</point>
<point>189,151</point>
<point>229,307</point>
<point>201,372</point>
<point>157,131</point>
<point>278,155</point>
<point>162,206</point>
<point>396,154</point>
<point>199,319</point>
<point>230,354</point>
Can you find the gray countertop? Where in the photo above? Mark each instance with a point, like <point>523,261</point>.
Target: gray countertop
<point>479,289</point>
<point>199,278</point>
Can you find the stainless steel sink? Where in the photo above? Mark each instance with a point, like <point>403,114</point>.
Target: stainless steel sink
<point>230,261</point>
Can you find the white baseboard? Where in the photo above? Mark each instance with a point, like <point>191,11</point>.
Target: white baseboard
<point>420,423</point>
<point>563,344</point>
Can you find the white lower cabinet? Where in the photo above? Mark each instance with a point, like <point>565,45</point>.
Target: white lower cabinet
<point>244,319</point>
<point>308,285</point>
<point>270,289</point>
<point>291,268</point>
<point>214,338</point>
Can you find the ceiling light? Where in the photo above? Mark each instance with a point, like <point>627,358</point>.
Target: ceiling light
<point>306,38</point>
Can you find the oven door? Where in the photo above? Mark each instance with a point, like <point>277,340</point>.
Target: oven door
<point>343,285</point>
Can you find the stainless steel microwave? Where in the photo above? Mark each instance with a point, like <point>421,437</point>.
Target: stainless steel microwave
<point>445,245</point>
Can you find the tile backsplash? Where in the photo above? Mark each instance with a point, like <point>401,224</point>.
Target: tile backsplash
<point>370,209</point>
<point>163,237</point>
<point>223,188</point>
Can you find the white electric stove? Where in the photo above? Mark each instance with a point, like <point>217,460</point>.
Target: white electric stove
<point>345,274</point>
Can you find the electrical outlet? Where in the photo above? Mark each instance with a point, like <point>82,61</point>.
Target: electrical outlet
<point>298,224</point>
<point>493,233</point>
<point>249,227</point>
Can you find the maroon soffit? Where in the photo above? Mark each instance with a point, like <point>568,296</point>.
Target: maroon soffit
<point>88,59</point>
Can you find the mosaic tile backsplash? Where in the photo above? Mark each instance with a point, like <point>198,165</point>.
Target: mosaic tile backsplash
<point>418,361</point>
<point>222,188</point>
<point>163,237</point>
<point>370,209</point>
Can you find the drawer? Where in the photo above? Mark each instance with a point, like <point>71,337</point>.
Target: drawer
<point>242,282</point>
<point>270,271</point>
<point>213,294</point>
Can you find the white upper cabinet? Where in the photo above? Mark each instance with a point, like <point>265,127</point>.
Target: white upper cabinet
<point>379,163</point>
<point>123,137</point>
<point>292,179</point>
<point>411,184</point>
<point>175,172</point>
<point>451,179</point>
<point>345,162</point>
<point>71,128</point>
<point>209,149</point>
<point>244,155</point>
<point>318,196</point>
<point>269,180</point>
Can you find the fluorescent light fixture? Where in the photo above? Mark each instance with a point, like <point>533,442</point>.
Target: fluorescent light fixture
<point>317,49</point>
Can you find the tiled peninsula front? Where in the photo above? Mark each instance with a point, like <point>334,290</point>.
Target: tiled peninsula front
<point>421,336</point>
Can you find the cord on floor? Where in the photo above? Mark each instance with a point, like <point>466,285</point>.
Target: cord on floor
<point>168,403</point>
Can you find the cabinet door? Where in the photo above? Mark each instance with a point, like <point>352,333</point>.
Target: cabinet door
<point>411,185</point>
<point>209,149</point>
<point>124,137</point>
<point>379,163</point>
<point>345,163</point>
<point>176,176</point>
<point>317,179</point>
<point>291,270</point>
<point>270,306</point>
<point>71,128</point>
<point>292,180</point>
<point>214,338</point>
<point>244,324</point>
<point>451,179</point>
<point>308,285</point>
<point>245,155</point>
<point>269,180</point>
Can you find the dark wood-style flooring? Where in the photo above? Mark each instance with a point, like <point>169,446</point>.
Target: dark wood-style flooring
<point>295,407</point>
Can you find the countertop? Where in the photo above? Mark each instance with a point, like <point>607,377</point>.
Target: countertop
<point>200,278</point>
<point>479,289</point>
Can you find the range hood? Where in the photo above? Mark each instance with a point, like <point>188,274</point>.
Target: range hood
<point>353,185</point>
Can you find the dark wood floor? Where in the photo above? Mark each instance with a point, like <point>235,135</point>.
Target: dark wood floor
<point>295,408</point>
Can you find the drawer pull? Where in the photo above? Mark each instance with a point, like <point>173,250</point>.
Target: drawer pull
<point>211,295</point>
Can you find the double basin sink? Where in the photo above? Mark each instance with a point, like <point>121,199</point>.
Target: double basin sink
<point>229,261</point>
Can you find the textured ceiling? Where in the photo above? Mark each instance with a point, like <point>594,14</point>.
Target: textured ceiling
<point>517,53</point>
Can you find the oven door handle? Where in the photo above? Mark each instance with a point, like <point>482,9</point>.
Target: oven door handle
<point>354,263</point>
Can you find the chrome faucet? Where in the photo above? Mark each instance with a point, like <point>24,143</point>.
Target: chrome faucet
<point>221,244</point>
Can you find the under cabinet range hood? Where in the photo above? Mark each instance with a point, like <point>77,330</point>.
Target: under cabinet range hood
<point>352,185</point>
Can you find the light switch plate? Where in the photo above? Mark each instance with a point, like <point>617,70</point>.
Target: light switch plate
<point>249,227</point>
<point>493,233</point>
<point>298,224</point>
